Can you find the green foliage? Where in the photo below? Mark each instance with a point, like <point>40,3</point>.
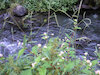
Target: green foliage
<point>24,47</point>
<point>56,57</point>
<point>45,5</point>
<point>26,72</point>
<point>41,5</point>
<point>4,4</point>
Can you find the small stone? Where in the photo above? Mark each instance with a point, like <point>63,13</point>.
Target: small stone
<point>19,11</point>
<point>98,45</point>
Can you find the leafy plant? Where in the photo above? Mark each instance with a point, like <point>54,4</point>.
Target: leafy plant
<point>55,57</point>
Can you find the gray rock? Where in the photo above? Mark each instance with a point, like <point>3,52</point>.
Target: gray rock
<point>20,11</point>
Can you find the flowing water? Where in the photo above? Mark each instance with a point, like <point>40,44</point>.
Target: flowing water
<point>11,37</point>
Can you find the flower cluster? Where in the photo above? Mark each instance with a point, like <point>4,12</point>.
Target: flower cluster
<point>89,62</point>
<point>33,64</point>
<point>97,72</point>
<point>61,53</point>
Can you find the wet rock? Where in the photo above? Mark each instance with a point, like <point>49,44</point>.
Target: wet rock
<point>89,7</point>
<point>85,6</point>
<point>79,52</point>
<point>20,11</point>
<point>1,18</point>
<point>7,48</point>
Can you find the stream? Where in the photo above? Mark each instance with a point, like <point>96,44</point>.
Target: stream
<point>11,37</point>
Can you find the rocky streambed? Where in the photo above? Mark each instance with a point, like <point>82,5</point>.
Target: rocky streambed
<point>11,36</point>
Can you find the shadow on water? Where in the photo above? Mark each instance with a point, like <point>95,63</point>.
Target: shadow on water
<point>11,42</point>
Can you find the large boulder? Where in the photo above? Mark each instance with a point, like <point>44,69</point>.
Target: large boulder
<point>20,11</point>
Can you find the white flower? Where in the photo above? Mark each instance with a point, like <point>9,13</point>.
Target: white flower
<point>45,46</point>
<point>61,52</point>
<point>63,58</point>
<point>1,55</point>
<point>97,72</point>
<point>43,59</point>
<point>90,64</point>
<point>88,61</point>
<point>58,63</point>
<point>33,64</point>
<point>86,53</point>
<point>46,37</point>
<point>39,45</point>
<point>52,34</point>
<point>45,33</point>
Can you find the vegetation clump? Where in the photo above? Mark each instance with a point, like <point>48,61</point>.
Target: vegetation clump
<point>41,5</point>
<point>55,57</point>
